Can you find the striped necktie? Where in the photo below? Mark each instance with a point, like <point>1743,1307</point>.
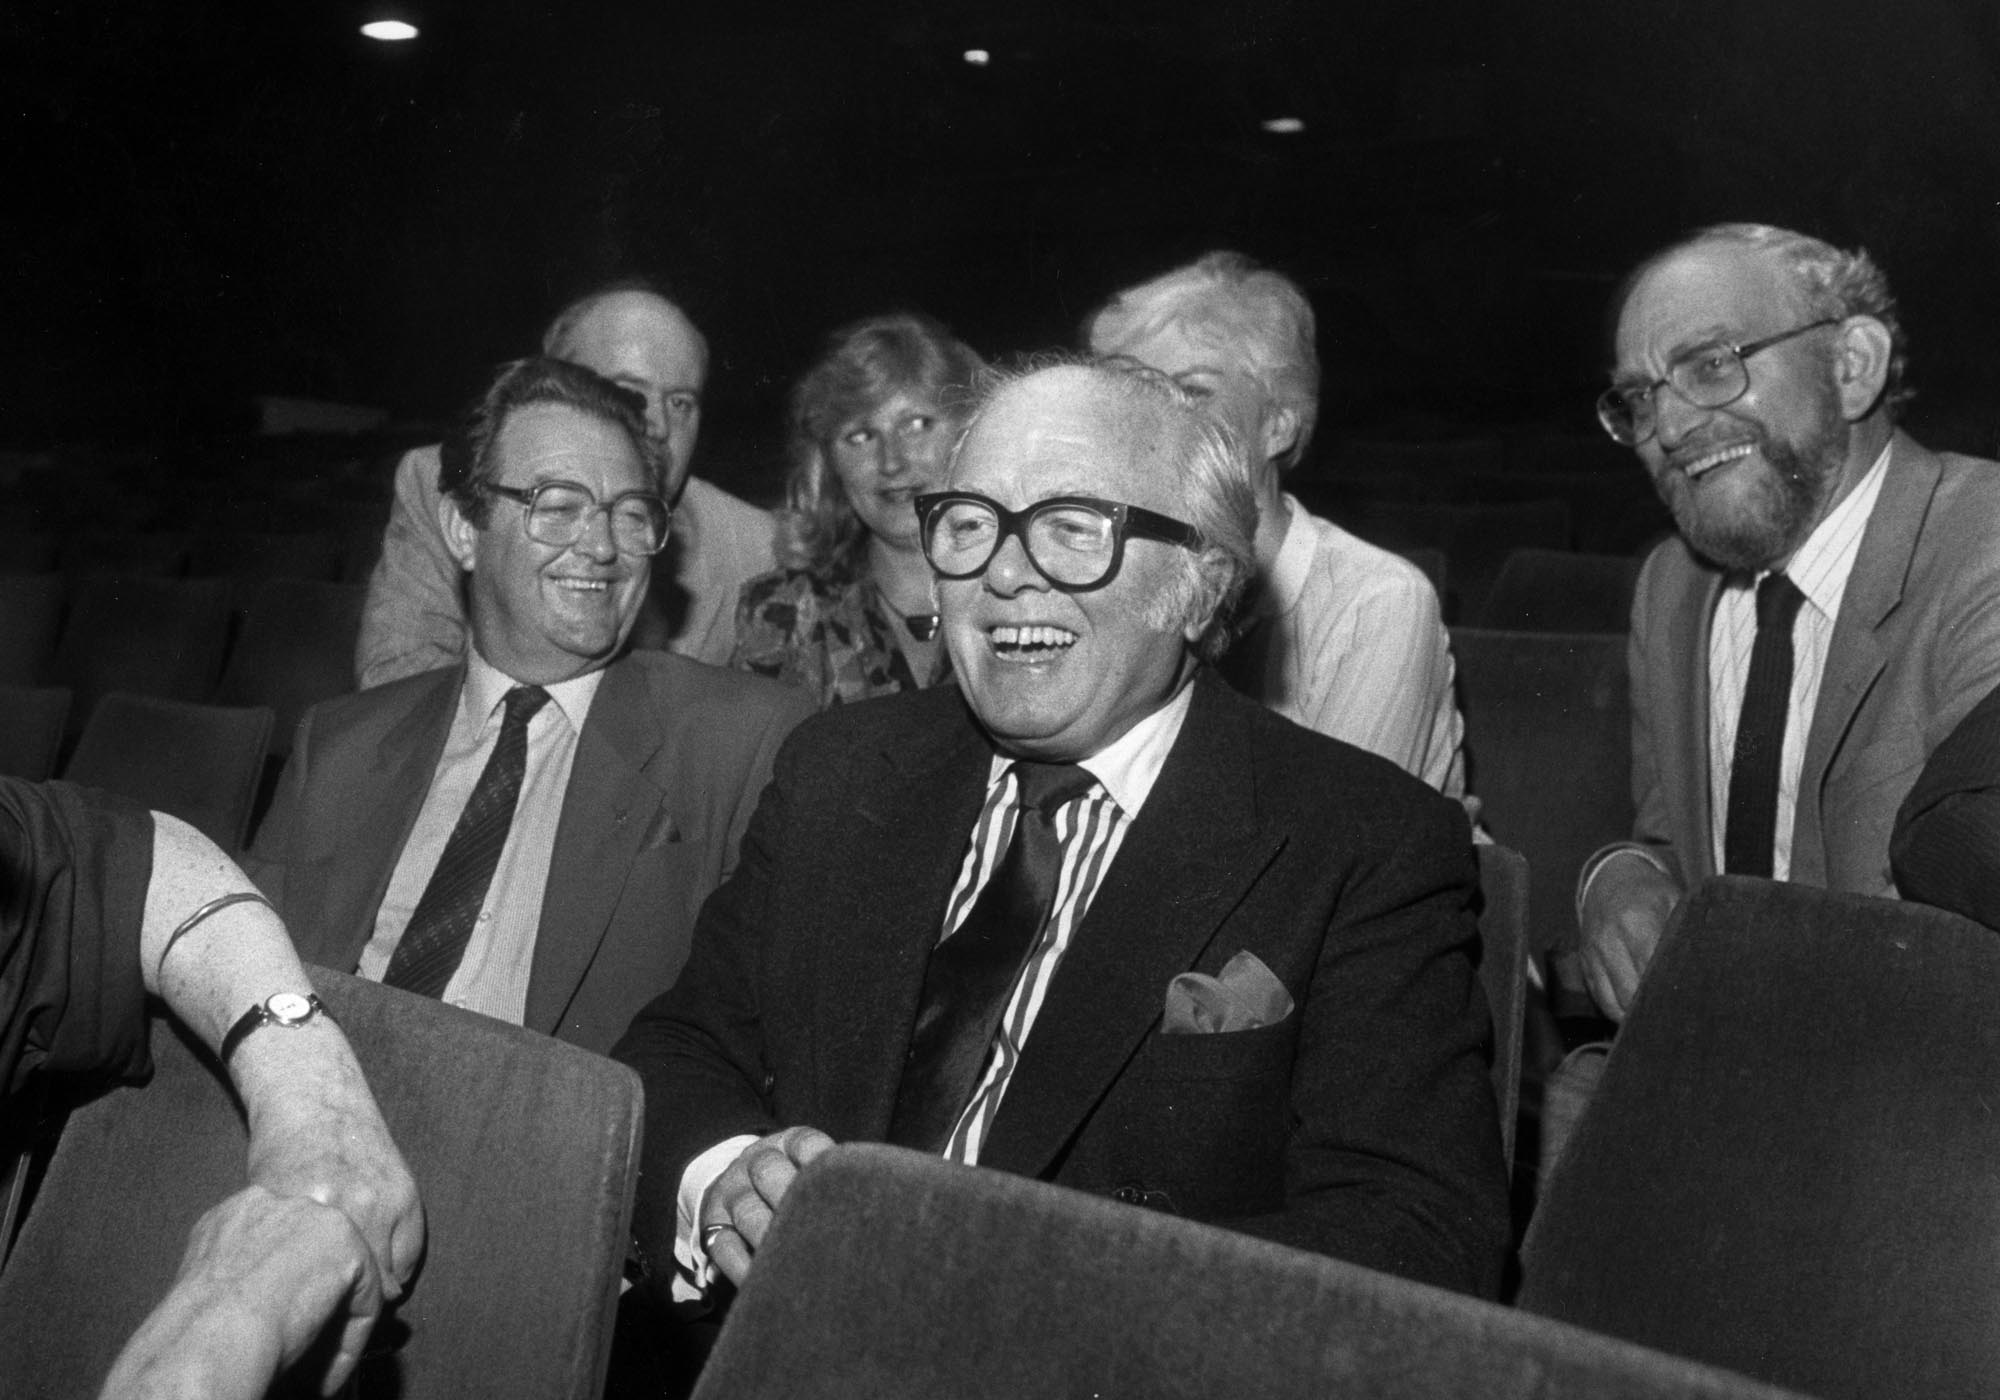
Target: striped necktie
<point>431,947</point>
<point>970,974</point>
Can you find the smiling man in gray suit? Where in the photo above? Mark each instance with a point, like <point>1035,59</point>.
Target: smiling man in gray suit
<point>529,834</point>
<point>1830,607</point>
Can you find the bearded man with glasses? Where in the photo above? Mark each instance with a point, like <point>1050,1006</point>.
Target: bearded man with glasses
<point>530,833</point>
<point>1090,916</point>
<point>1830,607</point>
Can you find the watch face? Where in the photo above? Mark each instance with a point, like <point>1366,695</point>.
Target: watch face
<point>289,1007</point>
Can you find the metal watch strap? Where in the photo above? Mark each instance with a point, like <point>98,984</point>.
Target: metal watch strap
<point>264,1014</point>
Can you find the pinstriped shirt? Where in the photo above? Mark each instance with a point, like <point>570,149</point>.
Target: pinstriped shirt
<point>1091,828</point>
<point>1820,568</point>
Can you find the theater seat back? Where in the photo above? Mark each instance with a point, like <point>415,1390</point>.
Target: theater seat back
<point>525,1150</point>
<point>893,1275</point>
<point>1791,1166</point>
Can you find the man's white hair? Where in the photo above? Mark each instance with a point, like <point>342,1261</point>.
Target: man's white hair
<point>1213,474</point>
<point>1258,316</point>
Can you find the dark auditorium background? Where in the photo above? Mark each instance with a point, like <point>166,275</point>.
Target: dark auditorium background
<point>211,200</point>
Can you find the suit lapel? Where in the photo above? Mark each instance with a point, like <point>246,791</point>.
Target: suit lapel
<point>377,825</point>
<point>1691,682</point>
<point>1194,850</point>
<point>610,805</point>
<point>1856,655</point>
<point>915,806</point>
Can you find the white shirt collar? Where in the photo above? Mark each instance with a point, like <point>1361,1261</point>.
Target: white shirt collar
<point>1129,765</point>
<point>1280,590</point>
<point>486,686</point>
<point>1821,565</point>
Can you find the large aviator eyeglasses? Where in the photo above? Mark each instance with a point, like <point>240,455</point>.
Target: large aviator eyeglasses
<point>559,512</point>
<point>1075,542</point>
<point>1708,376</point>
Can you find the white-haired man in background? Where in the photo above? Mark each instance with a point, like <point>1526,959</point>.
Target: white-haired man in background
<point>1337,635</point>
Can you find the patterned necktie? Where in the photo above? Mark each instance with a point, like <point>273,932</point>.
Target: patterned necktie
<point>435,940</point>
<point>1751,828</point>
<point>970,974</point>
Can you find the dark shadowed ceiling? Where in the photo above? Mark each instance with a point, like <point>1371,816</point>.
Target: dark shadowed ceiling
<point>211,199</point>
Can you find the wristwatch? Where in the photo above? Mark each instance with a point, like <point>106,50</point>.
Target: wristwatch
<point>288,1009</point>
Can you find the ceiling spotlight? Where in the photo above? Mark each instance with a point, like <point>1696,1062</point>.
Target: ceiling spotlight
<point>978,58</point>
<point>389,31</point>
<point>1284,126</point>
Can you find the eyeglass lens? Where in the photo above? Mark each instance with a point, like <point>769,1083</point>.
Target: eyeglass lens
<point>1709,377</point>
<point>560,515</point>
<point>1072,544</point>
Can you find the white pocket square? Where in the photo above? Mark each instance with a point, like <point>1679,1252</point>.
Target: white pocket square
<point>1245,996</point>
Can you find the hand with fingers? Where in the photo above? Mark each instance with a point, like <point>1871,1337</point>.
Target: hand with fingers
<point>264,1278</point>
<point>736,1210</point>
<point>1624,913</point>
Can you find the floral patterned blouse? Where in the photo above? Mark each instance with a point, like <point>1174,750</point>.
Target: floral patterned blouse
<point>828,632</point>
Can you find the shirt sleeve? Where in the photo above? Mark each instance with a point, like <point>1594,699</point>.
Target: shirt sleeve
<point>1380,676</point>
<point>76,865</point>
<point>412,620</point>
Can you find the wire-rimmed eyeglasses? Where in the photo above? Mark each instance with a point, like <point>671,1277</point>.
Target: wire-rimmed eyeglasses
<point>1708,376</point>
<point>1075,542</point>
<point>559,513</point>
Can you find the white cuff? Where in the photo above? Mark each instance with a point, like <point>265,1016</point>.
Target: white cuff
<point>696,1273</point>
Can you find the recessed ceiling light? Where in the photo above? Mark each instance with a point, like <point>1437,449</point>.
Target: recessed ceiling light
<point>1284,126</point>
<point>389,31</point>
<point>978,58</point>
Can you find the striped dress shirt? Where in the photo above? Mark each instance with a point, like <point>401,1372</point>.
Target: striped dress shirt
<point>1820,568</point>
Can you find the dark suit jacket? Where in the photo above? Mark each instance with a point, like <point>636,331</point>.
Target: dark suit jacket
<point>1916,645</point>
<point>1946,849</point>
<point>667,772</point>
<point>1361,1126</point>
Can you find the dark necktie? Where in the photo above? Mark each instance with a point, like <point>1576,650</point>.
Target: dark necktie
<point>1751,827</point>
<point>435,940</point>
<point>970,973</point>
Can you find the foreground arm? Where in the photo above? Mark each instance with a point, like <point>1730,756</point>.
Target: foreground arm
<point>261,1276</point>
<point>699,1049</point>
<point>1946,848</point>
<point>331,1225</point>
<point>1627,891</point>
<point>315,1130</point>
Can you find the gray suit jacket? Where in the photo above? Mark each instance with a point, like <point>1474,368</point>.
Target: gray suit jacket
<point>668,770</point>
<point>1916,646</point>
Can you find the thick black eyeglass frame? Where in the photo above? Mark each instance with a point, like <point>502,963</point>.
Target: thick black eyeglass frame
<point>526,496</point>
<point>1126,521</point>
<point>1614,401</point>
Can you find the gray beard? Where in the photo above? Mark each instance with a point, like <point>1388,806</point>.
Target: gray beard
<point>1792,490</point>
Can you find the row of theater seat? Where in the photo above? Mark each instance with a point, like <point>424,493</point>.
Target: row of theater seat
<point>1545,710</point>
<point>281,642</point>
<point>327,555</point>
<point>1786,1173</point>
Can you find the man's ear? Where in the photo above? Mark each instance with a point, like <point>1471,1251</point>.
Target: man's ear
<point>1281,430</point>
<point>1861,357</point>
<point>461,536</point>
<point>1211,573</point>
